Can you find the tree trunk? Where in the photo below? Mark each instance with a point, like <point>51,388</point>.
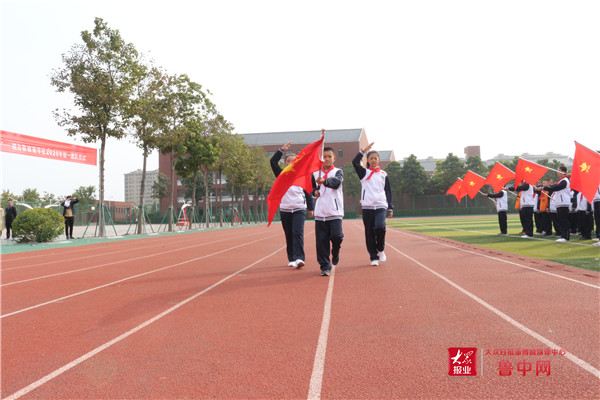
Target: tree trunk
<point>140,211</point>
<point>101,228</point>
<point>173,192</point>
<point>206,198</point>
<point>193,213</point>
<point>220,197</point>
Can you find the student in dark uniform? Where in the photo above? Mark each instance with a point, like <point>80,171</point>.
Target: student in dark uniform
<point>293,212</point>
<point>69,214</point>
<point>10,213</point>
<point>376,202</point>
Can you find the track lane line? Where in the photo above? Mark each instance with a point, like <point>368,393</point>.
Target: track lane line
<point>100,253</point>
<point>125,335</point>
<point>316,378</point>
<point>129,278</point>
<point>496,259</point>
<point>577,361</point>
<point>111,263</point>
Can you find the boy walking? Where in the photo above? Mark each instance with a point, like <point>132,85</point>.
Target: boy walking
<point>329,211</point>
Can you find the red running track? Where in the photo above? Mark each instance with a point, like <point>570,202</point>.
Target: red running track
<point>220,315</point>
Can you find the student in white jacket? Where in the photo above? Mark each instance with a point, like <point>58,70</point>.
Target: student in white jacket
<point>329,211</point>
<point>292,210</point>
<point>376,202</point>
<point>561,194</point>
<point>502,207</point>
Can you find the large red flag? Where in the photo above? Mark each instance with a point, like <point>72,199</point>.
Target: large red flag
<point>585,176</point>
<point>455,189</point>
<point>499,176</point>
<point>298,173</point>
<point>529,172</point>
<point>471,184</point>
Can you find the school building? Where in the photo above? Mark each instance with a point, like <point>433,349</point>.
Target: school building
<point>345,142</point>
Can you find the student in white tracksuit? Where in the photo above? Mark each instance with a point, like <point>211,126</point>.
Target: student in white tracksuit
<point>329,211</point>
<point>526,207</point>
<point>502,207</point>
<point>376,202</point>
<point>292,210</point>
<point>561,194</point>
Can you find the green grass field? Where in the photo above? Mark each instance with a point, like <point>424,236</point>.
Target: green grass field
<point>483,231</point>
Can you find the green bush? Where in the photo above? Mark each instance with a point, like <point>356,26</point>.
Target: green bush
<point>38,225</point>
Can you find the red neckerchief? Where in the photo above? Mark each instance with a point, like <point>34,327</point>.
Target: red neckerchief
<point>326,172</point>
<point>373,170</point>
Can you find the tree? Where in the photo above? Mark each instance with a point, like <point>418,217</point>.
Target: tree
<point>144,115</point>
<point>161,188</point>
<point>7,195</point>
<point>413,176</point>
<point>49,198</point>
<point>447,171</point>
<point>394,171</point>
<point>352,186</point>
<point>475,164</point>
<point>85,194</point>
<point>263,177</point>
<point>99,75</point>
<point>202,153</point>
<point>31,196</point>
<point>184,101</point>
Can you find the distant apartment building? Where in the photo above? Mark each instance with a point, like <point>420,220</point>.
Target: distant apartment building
<point>133,185</point>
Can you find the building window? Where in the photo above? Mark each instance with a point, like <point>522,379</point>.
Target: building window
<point>340,153</point>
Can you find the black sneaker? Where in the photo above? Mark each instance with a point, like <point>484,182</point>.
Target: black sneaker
<point>335,260</point>
<point>326,272</point>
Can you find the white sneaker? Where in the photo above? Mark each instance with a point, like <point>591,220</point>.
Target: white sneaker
<point>299,263</point>
<point>561,240</point>
<point>382,256</point>
<point>374,263</point>
<point>527,237</point>
<point>597,244</point>
<point>292,264</point>
<point>596,239</point>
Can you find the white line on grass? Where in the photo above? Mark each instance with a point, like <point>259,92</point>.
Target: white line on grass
<point>579,362</point>
<point>541,239</point>
<point>498,259</point>
<point>131,277</point>
<point>316,379</point>
<point>125,335</point>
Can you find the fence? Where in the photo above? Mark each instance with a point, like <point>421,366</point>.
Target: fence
<point>256,212</point>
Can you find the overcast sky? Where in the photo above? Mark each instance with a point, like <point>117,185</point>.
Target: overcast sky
<point>421,77</point>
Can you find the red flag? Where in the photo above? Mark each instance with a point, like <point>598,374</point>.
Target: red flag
<point>585,176</point>
<point>529,172</point>
<point>471,184</point>
<point>298,173</point>
<point>499,176</point>
<point>455,189</point>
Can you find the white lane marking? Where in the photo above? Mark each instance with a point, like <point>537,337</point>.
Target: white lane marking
<point>541,239</point>
<point>128,278</point>
<point>316,379</point>
<point>125,335</point>
<point>111,263</point>
<point>498,259</point>
<point>579,362</point>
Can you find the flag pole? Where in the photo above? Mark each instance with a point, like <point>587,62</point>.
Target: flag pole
<point>495,202</point>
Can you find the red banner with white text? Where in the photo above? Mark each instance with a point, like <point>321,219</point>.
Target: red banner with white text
<point>37,147</point>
